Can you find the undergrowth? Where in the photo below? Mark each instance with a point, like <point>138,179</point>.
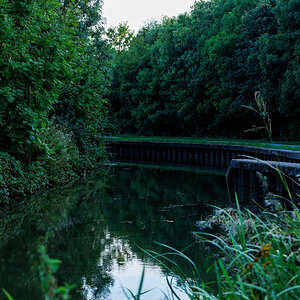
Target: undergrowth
<point>259,255</point>
<point>60,162</point>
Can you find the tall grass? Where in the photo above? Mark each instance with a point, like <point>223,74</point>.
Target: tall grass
<point>259,257</point>
<point>260,261</point>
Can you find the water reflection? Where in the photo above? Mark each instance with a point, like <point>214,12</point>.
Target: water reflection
<point>98,228</point>
<point>125,269</point>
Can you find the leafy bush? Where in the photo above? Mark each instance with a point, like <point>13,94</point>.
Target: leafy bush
<point>17,180</point>
<point>54,78</point>
<point>11,177</point>
<point>63,155</point>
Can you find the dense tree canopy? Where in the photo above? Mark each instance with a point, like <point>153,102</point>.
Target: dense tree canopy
<point>186,75</point>
<point>190,75</point>
<point>54,75</point>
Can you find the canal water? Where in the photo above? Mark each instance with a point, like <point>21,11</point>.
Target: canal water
<point>102,228</point>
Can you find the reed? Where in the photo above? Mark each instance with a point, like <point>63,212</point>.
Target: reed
<point>258,257</point>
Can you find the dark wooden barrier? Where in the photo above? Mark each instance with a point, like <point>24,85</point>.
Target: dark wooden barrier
<point>211,155</point>
<point>242,171</point>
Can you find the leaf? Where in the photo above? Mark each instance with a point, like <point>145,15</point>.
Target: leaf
<point>7,294</point>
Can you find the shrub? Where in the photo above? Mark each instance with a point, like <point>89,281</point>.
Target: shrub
<point>63,155</point>
<point>17,180</point>
<point>12,178</point>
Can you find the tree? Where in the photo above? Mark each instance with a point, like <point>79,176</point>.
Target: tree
<point>82,102</point>
<point>54,78</point>
<point>190,75</point>
<point>120,37</point>
<point>37,54</point>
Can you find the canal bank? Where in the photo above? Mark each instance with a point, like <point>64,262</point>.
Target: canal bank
<point>244,164</point>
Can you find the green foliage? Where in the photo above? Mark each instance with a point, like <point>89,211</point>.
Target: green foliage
<point>54,78</point>
<point>48,267</point>
<point>82,105</point>
<point>17,180</point>
<point>36,53</point>
<point>120,37</point>
<point>258,256</point>
<point>271,249</point>
<point>8,296</point>
<point>10,177</point>
<point>190,75</point>
<point>64,157</point>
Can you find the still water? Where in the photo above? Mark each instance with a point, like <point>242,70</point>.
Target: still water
<point>100,228</point>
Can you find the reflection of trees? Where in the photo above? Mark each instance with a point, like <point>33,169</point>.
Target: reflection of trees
<point>25,225</point>
<point>158,182</point>
<point>154,205</point>
<point>98,224</point>
<point>89,263</point>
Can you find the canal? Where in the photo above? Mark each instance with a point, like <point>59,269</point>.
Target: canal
<point>100,229</point>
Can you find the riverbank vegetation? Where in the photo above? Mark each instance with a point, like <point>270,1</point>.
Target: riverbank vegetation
<point>190,75</point>
<point>256,256</point>
<point>54,77</point>
<point>295,146</point>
